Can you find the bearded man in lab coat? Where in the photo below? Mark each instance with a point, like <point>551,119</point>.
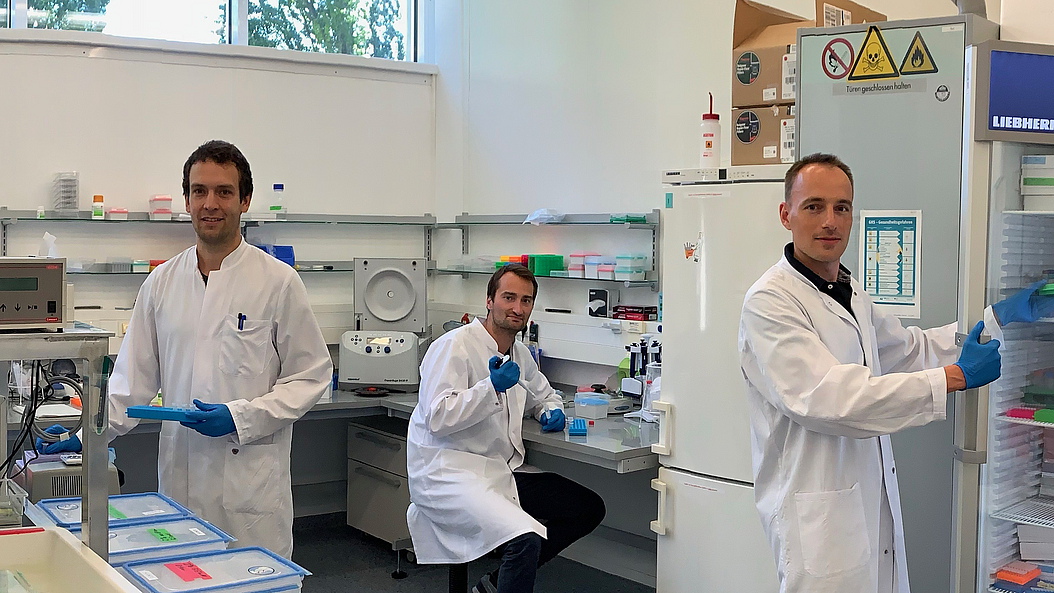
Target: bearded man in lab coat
<point>225,328</point>
<point>829,377</point>
<point>465,442</point>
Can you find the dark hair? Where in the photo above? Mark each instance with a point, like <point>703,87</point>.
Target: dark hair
<point>817,158</point>
<point>221,153</point>
<point>519,270</point>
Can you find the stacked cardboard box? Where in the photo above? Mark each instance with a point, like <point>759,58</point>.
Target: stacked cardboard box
<point>764,73</point>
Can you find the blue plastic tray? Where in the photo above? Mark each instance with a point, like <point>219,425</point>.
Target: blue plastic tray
<point>159,413</point>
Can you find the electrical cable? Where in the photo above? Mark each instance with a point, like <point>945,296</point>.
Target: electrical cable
<point>28,417</point>
<point>49,388</point>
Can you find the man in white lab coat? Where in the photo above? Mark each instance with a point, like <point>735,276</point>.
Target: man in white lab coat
<point>829,377</point>
<point>465,442</point>
<point>225,328</point>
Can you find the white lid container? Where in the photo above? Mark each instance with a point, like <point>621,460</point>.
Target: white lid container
<point>153,539</point>
<point>241,570</point>
<point>53,559</point>
<point>123,509</point>
<point>590,406</point>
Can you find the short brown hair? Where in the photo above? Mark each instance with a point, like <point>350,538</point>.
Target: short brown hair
<point>817,158</point>
<point>221,153</point>
<point>519,270</point>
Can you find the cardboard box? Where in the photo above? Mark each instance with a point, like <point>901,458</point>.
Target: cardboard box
<point>763,135</point>
<point>764,59</point>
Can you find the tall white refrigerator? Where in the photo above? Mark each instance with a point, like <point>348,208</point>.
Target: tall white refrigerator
<point>718,238</point>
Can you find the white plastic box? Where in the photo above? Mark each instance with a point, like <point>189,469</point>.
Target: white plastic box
<point>243,570</point>
<point>157,539</point>
<point>53,559</point>
<point>590,406</point>
<point>124,509</point>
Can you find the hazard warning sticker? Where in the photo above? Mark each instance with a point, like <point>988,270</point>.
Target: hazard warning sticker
<point>918,59</point>
<point>837,55</point>
<point>873,60</point>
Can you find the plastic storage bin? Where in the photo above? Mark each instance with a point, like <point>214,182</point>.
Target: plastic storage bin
<point>590,406</point>
<point>117,214</point>
<point>242,570</point>
<point>576,271</point>
<point>156,539</point>
<point>161,214</point>
<point>606,272</point>
<point>629,274</point>
<point>633,261</point>
<point>579,259</point>
<point>124,509</point>
<point>53,559</point>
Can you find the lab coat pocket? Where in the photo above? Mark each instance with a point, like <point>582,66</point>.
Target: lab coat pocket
<point>251,478</point>
<point>832,531</point>
<point>245,352</point>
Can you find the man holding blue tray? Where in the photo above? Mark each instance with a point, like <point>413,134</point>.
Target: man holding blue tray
<point>225,330</point>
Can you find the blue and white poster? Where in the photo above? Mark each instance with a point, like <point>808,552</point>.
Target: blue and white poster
<point>891,254</point>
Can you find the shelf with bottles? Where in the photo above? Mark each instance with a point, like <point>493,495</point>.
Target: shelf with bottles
<point>248,219</point>
<point>652,284</point>
<point>124,269</point>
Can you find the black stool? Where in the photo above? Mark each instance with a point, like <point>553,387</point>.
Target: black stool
<point>458,578</point>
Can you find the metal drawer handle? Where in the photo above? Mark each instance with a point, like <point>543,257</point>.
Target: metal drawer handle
<point>378,477</point>
<point>376,440</point>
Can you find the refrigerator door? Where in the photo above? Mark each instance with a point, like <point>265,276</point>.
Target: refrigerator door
<point>712,539</point>
<point>717,241</point>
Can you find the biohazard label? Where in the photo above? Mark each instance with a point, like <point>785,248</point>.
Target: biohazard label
<point>748,67</point>
<point>747,127</point>
<point>873,60</point>
<point>918,59</point>
<point>188,571</point>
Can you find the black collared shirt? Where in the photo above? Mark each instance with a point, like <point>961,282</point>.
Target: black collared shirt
<point>841,290</point>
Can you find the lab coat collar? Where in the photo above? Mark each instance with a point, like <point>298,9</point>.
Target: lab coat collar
<point>230,260</point>
<point>835,307</point>
<point>477,326</point>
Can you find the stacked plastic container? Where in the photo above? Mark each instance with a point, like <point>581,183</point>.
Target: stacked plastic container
<point>161,547</point>
<point>161,207</point>
<point>630,266</point>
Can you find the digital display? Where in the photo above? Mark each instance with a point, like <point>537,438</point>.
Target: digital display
<point>18,284</point>
<point>386,341</point>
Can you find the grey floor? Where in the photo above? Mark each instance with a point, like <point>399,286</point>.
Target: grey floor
<point>343,559</point>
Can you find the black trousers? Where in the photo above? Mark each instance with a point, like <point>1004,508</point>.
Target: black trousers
<point>569,510</point>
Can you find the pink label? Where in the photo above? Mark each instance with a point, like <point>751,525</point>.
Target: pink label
<point>188,571</point>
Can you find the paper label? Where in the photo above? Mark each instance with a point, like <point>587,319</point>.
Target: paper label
<point>768,94</point>
<point>188,571</point>
<point>155,512</point>
<point>790,70</point>
<point>197,532</point>
<point>769,152</point>
<point>148,575</point>
<point>116,514</point>
<point>162,535</point>
<point>834,16</point>
<point>787,141</point>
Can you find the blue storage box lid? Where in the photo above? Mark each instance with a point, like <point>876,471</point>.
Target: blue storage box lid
<point>123,509</point>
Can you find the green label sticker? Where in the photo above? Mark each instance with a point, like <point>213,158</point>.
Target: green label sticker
<point>1041,181</point>
<point>116,514</point>
<point>669,199</point>
<point>162,535</point>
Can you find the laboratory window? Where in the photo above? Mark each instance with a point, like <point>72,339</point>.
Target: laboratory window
<point>4,15</point>
<point>374,28</point>
<point>200,21</point>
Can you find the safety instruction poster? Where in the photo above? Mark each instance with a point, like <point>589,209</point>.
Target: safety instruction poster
<point>890,253</point>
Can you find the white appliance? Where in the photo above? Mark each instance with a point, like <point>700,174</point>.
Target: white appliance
<point>390,294</point>
<point>718,238</point>
<point>376,358</point>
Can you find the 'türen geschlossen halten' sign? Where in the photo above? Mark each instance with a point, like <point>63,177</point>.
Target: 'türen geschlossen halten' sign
<point>1021,92</point>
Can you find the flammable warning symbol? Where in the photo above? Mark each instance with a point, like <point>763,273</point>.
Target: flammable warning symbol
<point>873,60</point>
<point>918,60</point>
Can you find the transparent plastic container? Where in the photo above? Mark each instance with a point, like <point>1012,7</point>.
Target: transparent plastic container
<point>589,405</point>
<point>51,559</point>
<point>634,261</point>
<point>157,539</point>
<point>631,274</point>
<point>124,509</point>
<point>242,570</point>
<point>576,271</point>
<point>606,272</point>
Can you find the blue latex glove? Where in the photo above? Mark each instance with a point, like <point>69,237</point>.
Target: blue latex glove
<point>552,420</point>
<point>70,445</point>
<point>503,376</point>
<point>213,420</point>
<point>979,362</point>
<point>1024,306</point>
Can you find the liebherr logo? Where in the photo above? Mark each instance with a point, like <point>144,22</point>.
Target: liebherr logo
<point>1039,124</point>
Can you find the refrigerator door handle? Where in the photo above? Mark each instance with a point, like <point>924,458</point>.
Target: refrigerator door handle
<point>970,456</point>
<point>665,411</point>
<point>659,525</point>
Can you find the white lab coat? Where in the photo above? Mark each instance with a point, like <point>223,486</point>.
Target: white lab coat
<point>463,500</point>
<point>825,391</point>
<point>184,339</point>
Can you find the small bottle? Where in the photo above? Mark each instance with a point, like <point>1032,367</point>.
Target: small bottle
<point>276,198</point>
<point>40,212</point>
<point>98,209</point>
<point>710,139</point>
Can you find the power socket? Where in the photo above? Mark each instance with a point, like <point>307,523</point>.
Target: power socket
<point>635,327</point>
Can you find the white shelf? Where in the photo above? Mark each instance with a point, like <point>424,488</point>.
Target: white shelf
<point>1025,421</point>
<point>1037,511</point>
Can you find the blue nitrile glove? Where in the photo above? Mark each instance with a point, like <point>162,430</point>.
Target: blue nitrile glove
<point>1024,306</point>
<point>979,362</point>
<point>70,445</point>
<point>213,420</point>
<point>503,376</point>
<point>552,420</point>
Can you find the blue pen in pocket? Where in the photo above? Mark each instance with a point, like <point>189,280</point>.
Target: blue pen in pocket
<point>241,322</point>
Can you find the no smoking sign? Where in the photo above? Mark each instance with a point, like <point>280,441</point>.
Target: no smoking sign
<point>837,58</point>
